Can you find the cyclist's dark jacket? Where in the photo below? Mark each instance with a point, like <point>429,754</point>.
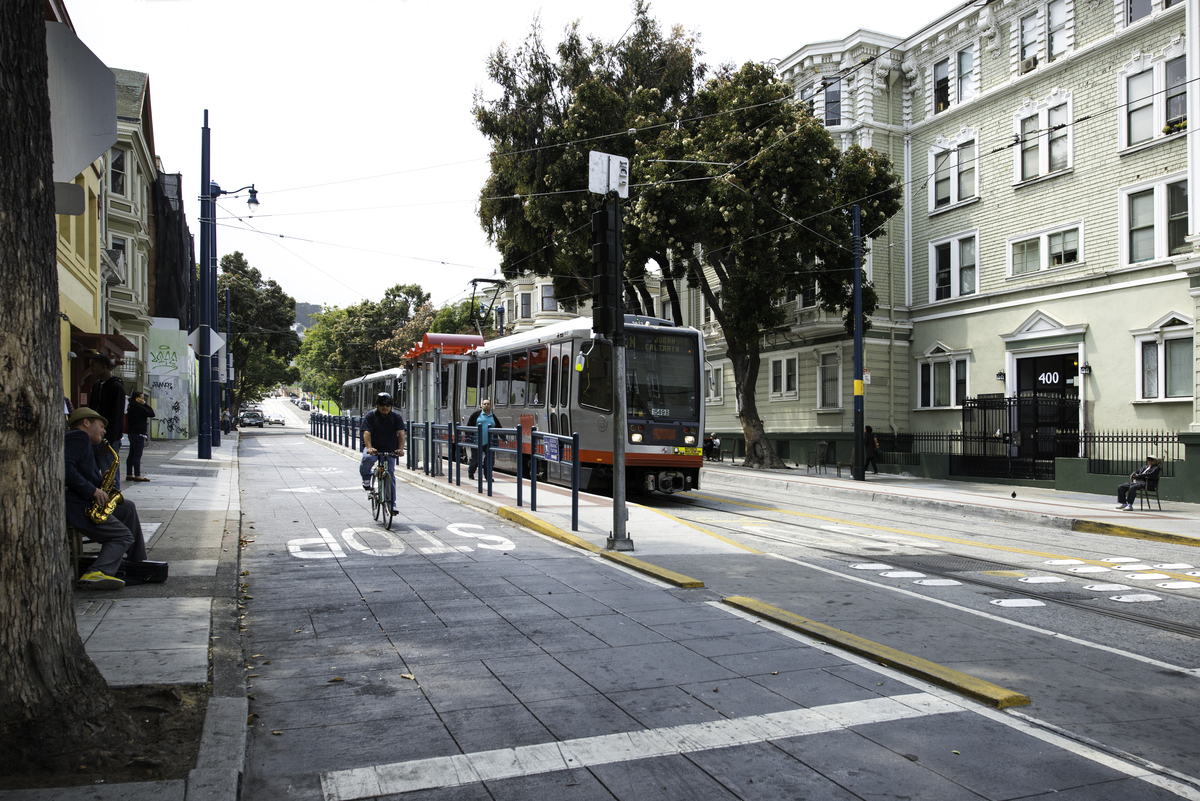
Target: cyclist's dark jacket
<point>383,428</point>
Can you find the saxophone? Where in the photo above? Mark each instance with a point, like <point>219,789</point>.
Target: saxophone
<point>99,514</point>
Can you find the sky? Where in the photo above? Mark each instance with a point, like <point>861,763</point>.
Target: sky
<point>353,119</point>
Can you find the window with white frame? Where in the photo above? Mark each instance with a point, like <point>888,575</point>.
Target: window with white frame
<point>708,312</point>
<point>784,382</point>
<point>1029,36</point>
<point>829,380</point>
<point>965,77</point>
<point>942,377</point>
<point>1136,10</point>
<point>1153,96</point>
<point>1046,137</point>
<point>1045,250</point>
<point>1154,220</point>
<point>714,384</point>
<point>953,267</point>
<point>833,102</point>
<point>549,304</point>
<point>668,310</point>
<point>941,86</point>
<point>510,305</point>
<point>526,305</point>
<point>116,171</point>
<point>1164,357</point>
<point>808,96</point>
<point>953,165</point>
<point>1058,30</point>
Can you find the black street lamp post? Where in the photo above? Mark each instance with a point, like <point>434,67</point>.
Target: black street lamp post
<point>210,386</point>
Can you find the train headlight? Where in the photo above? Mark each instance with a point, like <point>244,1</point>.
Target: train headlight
<point>636,438</point>
<point>689,440</point>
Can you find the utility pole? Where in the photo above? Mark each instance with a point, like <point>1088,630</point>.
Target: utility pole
<point>609,176</point>
<point>858,471</point>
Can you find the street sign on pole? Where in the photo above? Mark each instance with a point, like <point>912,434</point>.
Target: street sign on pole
<point>608,173</point>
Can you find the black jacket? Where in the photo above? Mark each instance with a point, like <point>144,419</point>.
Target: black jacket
<point>108,398</point>
<point>1148,474</point>
<point>138,415</point>
<point>82,477</point>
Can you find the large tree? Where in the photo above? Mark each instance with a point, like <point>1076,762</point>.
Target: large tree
<point>262,315</point>
<point>55,708</point>
<point>752,198</point>
<point>550,113</point>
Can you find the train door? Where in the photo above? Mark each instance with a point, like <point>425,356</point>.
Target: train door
<point>559,412</point>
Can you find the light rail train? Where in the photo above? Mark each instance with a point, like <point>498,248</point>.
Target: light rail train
<point>559,378</point>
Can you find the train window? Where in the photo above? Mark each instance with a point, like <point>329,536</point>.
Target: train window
<point>554,383</point>
<point>472,399</point>
<point>564,393</point>
<point>661,376</point>
<point>487,384</point>
<point>445,387</point>
<point>520,368</point>
<point>537,376</point>
<point>503,380</point>
<point>596,380</point>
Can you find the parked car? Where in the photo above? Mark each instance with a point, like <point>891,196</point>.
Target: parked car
<point>276,420</point>
<point>304,406</point>
<point>252,418</point>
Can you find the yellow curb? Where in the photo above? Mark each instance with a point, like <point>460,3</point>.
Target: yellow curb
<point>542,527</point>
<point>1094,527</point>
<point>980,690</point>
<point>661,573</point>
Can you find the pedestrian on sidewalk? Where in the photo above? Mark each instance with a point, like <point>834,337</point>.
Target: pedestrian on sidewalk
<point>1146,478</point>
<point>137,420</point>
<point>870,450</point>
<point>122,532</point>
<point>383,431</point>
<point>226,420</point>
<point>484,416</point>
<point>107,398</point>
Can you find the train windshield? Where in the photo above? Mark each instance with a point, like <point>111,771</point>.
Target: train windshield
<point>661,376</point>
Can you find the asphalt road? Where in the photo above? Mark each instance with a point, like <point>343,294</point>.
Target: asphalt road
<point>1063,617</point>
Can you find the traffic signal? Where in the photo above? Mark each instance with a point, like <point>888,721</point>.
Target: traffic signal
<point>606,270</point>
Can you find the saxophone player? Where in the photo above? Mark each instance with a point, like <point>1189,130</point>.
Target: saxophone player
<point>122,532</point>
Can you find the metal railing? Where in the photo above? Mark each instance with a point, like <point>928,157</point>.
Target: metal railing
<point>1120,453</point>
<point>905,448</point>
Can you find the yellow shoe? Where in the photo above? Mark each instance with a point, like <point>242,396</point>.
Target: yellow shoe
<point>98,581</point>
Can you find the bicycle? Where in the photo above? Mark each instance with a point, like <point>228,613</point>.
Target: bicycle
<point>380,493</point>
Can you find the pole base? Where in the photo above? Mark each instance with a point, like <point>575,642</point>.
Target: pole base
<point>622,544</point>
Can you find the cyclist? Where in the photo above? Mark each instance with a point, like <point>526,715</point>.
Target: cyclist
<point>382,432</point>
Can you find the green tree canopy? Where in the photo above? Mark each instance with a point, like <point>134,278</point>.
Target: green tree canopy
<point>262,315</point>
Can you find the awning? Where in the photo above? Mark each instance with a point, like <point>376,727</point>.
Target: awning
<point>448,344</point>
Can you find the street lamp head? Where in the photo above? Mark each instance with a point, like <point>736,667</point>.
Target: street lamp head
<point>253,201</point>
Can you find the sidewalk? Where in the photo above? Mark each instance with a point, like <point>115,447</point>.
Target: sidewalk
<point>162,633</point>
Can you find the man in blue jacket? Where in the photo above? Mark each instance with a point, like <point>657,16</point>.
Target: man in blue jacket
<point>122,532</point>
<point>482,416</point>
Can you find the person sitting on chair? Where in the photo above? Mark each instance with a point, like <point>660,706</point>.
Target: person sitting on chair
<point>1127,492</point>
<point>122,532</point>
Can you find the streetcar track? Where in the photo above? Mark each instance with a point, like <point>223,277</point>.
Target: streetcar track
<point>916,564</point>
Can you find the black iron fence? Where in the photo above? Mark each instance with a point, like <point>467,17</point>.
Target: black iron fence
<point>1120,453</point>
<point>995,455</point>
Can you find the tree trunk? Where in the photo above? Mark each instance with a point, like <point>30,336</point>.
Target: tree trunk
<point>673,294</point>
<point>55,708</point>
<point>647,300</point>
<point>746,363</point>
<point>632,304</point>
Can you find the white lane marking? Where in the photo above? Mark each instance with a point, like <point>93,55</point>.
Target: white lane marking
<point>1140,598</point>
<point>436,545</point>
<point>329,548</point>
<point>1090,569</point>
<point>1106,587</point>
<point>506,763</point>
<point>1066,562</point>
<point>1120,560</point>
<point>1013,603</point>
<point>938,583</point>
<point>395,545</point>
<point>902,574</point>
<point>1136,567</point>
<point>326,470</point>
<point>1042,580</point>
<point>1146,576</point>
<point>305,490</point>
<point>980,613</point>
<point>871,567</point>
<point>492,542</point>
<point>1174,566</point>
<point>1178,585</point>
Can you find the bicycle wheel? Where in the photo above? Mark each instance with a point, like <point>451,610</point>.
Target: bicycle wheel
<point>387,502</point>
<point>375,504</point>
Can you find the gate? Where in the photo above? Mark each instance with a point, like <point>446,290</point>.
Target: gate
<point>1017,437</point>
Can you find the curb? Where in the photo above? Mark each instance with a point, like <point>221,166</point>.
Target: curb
<point>990,694</point>
<point>530,521</point>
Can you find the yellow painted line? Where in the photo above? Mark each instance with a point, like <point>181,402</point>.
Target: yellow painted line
<point>890,530</point>
<point>542,527</point>
<point>980,690</point>
<point>712,534</point>
<point>1093,527</point>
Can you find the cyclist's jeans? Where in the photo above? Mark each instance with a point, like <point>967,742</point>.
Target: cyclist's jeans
<point>368,463</point>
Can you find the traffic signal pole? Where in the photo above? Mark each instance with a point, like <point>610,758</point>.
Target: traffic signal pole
<point>858,470</point>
